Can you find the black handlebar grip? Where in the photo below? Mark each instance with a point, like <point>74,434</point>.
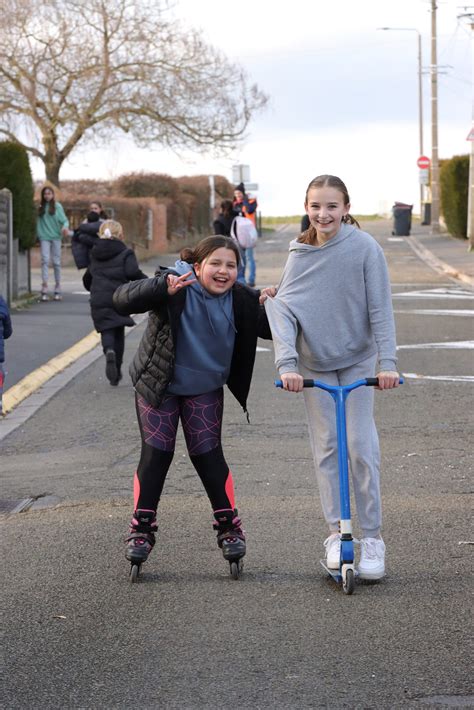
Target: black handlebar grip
<point>372,381</point>
<point>308,383</point>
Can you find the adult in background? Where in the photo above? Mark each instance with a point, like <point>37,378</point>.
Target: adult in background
<point>305,223</point>
<point>52,224</point>
<point>247,207</point>
<point>96,207</point>
<point>87,234</point>
<point>222,227</point>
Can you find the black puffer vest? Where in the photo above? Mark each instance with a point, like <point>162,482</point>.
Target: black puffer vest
<point>152,367</point>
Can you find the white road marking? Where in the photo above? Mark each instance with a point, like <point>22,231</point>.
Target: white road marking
<point>458,345</point>
<point>81,293</point>
<point>263,350</point>
<point>441,378</point>
<point>433,312</point>
<point>396,239</point>
<point>437,293</point>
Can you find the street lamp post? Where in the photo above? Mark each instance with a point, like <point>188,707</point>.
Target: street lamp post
<point>420,95</point>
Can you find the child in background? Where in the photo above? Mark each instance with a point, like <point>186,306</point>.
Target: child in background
<point>222,226</point>
<point>332,320</point>
<point>201,334</point>
<point>51,226</point>
<point>112,263</point>
<point>5,332</point>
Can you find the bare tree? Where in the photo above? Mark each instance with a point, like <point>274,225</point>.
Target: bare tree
<point>74,69</point>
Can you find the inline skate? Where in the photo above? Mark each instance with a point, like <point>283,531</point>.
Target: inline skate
<point>140,540</point>
<point>231,539</point>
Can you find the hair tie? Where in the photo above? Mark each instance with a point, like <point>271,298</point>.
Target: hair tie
<point>107,233</point>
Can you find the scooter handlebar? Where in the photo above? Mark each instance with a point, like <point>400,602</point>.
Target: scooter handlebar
<point>369,381</point>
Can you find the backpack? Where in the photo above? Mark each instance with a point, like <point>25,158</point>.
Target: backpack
<point>244,231</point>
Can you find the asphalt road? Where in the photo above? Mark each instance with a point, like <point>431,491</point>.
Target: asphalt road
<point>77,634</point>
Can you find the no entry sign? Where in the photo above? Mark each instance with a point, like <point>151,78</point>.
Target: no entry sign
<point>423,162</point>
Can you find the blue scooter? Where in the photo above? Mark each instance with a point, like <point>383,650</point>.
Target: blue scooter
<point>346,572</point>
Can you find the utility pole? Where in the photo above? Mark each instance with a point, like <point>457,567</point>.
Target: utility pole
<point>469,16</point>
<point>420,99</point>
<point>434,126</point>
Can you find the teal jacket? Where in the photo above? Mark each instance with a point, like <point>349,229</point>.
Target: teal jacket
<point>49,226</point>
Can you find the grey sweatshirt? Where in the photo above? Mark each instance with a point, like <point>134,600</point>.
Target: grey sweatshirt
<point>333,307</point>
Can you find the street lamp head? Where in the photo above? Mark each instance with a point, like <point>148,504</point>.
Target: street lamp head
<point>400,29</point>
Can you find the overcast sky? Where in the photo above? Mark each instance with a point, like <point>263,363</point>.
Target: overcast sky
<point>343,98</point>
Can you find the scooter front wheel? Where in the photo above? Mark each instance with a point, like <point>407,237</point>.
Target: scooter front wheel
<point>348,582</point>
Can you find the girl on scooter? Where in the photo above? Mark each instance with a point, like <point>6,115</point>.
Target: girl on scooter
<point>332,320</point>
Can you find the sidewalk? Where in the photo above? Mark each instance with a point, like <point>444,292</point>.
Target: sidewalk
<point>447,253</point>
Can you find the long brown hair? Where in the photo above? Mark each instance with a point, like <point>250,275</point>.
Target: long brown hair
<point>206,246</point>
<point>51,204</point>
<point>309,237</point>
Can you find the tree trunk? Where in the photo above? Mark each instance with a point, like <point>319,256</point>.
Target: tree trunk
<point>52,168</point>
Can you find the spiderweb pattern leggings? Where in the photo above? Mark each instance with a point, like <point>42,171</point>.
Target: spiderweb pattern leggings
<point>201,418</point>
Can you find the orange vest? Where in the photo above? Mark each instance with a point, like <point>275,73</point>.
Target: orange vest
<point>250,215</point>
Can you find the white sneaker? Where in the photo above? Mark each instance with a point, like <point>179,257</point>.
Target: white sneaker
<point>372,558</point>
<point>332,545</point>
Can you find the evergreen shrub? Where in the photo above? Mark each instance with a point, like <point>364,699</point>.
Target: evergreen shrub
<point>15,174</point>
<point>454,183</point>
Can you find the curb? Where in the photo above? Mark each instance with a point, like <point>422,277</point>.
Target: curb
<point>435,263</point>
<point>32,382</point>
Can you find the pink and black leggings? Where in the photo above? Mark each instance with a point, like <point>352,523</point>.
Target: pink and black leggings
<point>201,418</point>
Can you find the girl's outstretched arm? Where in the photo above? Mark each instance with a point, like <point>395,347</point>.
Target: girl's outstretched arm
<point>141,296</point>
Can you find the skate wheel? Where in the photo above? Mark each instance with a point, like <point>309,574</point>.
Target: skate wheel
<point>348,583</point>
<point>235,569</point>
<point>134,572</point>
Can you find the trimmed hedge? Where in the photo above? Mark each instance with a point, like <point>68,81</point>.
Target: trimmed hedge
<point>186,199</point>
<point>454,184</point>
<point>15,174</point>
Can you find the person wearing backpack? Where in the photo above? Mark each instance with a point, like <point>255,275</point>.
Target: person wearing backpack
<point>223,227</point>
<point>246,206</point>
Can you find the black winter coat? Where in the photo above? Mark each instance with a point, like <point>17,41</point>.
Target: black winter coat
<point>111,264</point>
<point>222,224</point>
<point>153,365</point>
<point>83,239</point>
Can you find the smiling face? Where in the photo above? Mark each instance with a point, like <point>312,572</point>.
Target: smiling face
<point>217,273</point>
<point>48,194</point>
<point>325,208</point>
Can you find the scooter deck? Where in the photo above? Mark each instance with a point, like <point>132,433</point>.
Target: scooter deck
<point>335,573</point>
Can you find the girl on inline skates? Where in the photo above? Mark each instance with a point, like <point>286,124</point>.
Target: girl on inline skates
<point>332,320</point>
<point>201,334</point>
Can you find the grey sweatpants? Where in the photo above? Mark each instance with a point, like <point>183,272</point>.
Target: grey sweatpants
<point>362,444</point>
